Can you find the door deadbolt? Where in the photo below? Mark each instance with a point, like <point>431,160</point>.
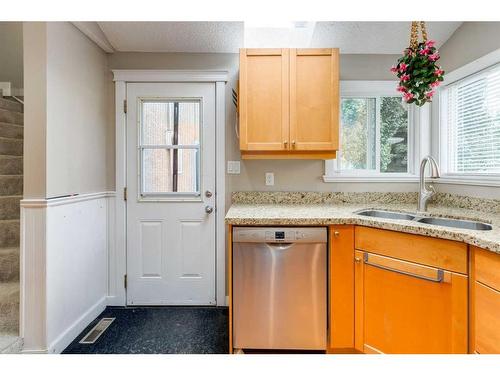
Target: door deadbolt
<point>208,194</point>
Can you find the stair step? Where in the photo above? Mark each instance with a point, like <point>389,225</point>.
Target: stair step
<point>9,308</point>
<point>9,146</point>
<point>10,344</point>
<point>11,130</point>
<point>11,117</point>
<point>11,105</point>
<point>9,264</point>
<point>11,185</point>
<point>9,207</point>
<point>11,165</point>
<point>9,233</point>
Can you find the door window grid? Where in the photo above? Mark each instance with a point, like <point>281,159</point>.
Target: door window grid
<point>169,147</point>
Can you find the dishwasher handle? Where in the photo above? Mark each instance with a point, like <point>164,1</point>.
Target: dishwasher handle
<point>280,245</point>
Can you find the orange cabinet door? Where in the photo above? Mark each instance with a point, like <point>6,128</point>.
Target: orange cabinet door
<point>405,307</point>
<point>485,302</point>
<point>314,99</point>
<point>264,99</point>
<point>341,265</point>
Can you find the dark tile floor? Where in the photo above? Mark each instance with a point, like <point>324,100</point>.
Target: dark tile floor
<point>168,330</point>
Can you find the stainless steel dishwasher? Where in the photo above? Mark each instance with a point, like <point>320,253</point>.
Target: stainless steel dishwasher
<point>279,288</point>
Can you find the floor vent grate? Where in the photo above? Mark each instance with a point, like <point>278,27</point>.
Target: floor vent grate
<point>97,331</point>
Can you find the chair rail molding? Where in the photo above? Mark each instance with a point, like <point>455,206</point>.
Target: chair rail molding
<point>65,244</point>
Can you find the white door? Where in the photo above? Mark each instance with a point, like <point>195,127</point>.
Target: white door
<point>171,194</point>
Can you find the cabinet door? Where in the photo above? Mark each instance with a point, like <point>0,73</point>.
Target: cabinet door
<point>341,261</point>
<point>314,99</point>
<point>264,99</point>
<point>404,307</point>
<point>485,302</point>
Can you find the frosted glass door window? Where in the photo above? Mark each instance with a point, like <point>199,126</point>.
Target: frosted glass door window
<point>170,147</point>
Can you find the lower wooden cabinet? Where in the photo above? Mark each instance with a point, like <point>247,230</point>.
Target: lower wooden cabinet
<point>405,307</point>
<point>410,293</point>
<point>484,302</point>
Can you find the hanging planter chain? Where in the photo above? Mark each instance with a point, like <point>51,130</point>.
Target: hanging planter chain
<point>417,69</point>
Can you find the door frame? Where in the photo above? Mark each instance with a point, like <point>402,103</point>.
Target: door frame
<point>117,257</point>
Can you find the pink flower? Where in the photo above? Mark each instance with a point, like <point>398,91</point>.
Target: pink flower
<point>405,77</point>
<point>401,89</point>
<point>407,96</point>
<point>435,84</point>
<point>438,72</point>
<point>424,51</point>
<point>394,69</point>
<point>430,43</point>
<point>434,57</point>
<point>402,67</point>
<point>430,94</point>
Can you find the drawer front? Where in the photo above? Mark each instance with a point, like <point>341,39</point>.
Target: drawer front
<point>487,320</point>
<point>487,267</point>
<point>435,252</point>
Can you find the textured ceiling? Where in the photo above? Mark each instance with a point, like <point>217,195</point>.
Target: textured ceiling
<point>375,37</point>
<point>174,36</point>
<point>350,37</point>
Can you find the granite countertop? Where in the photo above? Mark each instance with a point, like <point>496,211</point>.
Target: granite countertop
<point>339,208</point>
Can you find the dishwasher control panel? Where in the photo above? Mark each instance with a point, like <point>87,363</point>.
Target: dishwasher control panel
<point>274,235</point>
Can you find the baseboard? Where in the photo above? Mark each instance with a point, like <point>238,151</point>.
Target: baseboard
<point>64,339</point>
<point>115,301</point>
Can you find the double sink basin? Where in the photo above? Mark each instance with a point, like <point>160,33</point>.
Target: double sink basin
<point>445,222</point>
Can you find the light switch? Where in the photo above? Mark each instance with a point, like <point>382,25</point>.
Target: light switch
<point>270,179</point>
<point>233,167</point>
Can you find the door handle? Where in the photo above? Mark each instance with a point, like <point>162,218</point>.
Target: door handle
<point>438,279</point>
<point>209,209</point>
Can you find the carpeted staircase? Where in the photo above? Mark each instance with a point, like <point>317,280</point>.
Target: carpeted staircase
<point>11,190</point>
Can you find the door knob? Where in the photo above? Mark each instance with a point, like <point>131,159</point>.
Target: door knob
<point>209,209</point>
<point>208,194</point>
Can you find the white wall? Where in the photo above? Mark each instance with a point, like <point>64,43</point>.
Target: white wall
<point>64,242</point>
<point>11,53</point>
<point>76,112</point>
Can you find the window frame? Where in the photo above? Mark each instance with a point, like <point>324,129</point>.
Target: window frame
<point>441,131</point>
<point>447,176</point>
<point>168,196</point>
<point>378,89</point>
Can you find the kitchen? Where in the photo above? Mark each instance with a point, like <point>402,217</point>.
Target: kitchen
<point>256,187</point>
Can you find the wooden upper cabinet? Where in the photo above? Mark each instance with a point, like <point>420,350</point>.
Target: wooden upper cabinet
<point>314,99</point>
<point>264,99</point>
<point>289,103</point>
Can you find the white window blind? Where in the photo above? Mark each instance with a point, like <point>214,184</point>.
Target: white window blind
<point>472,113</point>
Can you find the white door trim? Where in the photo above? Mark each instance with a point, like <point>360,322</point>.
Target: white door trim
<point>118,266</point>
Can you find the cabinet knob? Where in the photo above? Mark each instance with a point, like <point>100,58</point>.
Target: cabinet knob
<point>336,233</point>
<point>357,260</point>
<point>285,143</point>
<point>293,143</point>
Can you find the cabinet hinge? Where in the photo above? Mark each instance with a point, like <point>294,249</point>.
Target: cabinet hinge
<point>125,281</point>
<point>125,106</point>
<point>124,193</point>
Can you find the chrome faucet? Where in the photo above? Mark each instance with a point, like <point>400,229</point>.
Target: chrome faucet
<point>426,192</point>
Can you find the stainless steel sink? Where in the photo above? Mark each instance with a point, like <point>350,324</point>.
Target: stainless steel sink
<point>464,224</point>
<point>386,214</point>
<point>446,222</point>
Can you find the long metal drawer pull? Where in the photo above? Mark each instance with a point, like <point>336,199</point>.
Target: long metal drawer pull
<point>438,279</point>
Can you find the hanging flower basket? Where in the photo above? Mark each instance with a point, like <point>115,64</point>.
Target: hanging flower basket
<point>417,70</point>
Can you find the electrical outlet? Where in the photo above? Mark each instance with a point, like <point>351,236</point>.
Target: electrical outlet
<point>233,167</point>
<point>269,179</point>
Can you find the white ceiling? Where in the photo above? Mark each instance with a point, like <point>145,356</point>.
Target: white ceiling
<point>350,37</point>
<point>174,36</point>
